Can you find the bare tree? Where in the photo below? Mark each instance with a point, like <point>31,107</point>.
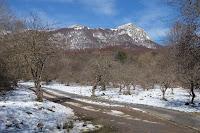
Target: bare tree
<point>35,47</point>
<point>186,40</point>
<point>147,68</point>
<point>121,77</point>
<point>101,72</point>
<point>7,24</point>
<point>165,71</point>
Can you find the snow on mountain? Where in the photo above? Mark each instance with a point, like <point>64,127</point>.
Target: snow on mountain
<point>134,32</point>
<point>81,37</point>
<point>77,27</point>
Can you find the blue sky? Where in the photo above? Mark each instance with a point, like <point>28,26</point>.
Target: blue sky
<point>154,16</point>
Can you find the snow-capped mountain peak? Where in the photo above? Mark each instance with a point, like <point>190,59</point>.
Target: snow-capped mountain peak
<point>81,37</point>
<point>136,33</point>
<point>126,26</point>
<point>78,27</point>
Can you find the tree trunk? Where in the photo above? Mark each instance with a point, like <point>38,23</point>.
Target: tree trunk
<point>166,87</point>
<point>128,90</point>
<point>163,94</point>
<point>144,87</point>
<point>103,86</point>
<point>172,91</point>
<point>39,92</point>
<point>15,83</point>
<point>68,83</point>
<point>192,91</point>
<point>120,88</point>
<point>93,90</point>
<point>163,90</point>
<point>134,86</point>
<point>153,86</point>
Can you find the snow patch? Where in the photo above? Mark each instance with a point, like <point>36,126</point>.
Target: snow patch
<point>19,112</point>
<point>152,97</point>
<point>77,27</point>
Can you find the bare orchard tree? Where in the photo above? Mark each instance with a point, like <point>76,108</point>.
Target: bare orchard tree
<point>165,72</point>
<point>147,68</point>
<point>126,78</point>
<point>116,79</point>
<point>34,46</point>
<point>101,72</point>
<point>186,40</point>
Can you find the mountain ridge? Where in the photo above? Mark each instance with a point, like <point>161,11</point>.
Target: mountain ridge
<point>81,37</point>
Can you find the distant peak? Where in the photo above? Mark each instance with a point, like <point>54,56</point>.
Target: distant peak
<point>128,25</point>
<point>134,32</point>
<point>78,26</point>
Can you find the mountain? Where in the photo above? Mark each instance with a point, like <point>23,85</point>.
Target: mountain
<point>81,37</point>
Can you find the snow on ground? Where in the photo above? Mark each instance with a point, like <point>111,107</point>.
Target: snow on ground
<point>123,115</point>
<point>116,112</point>
<point>152,97</point>
<point>19,112</point>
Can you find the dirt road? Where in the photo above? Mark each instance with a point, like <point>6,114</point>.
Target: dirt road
<point>119,119</point>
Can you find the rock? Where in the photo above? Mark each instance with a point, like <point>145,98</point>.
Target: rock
<point>8,124</point>
<point>41,108</point>
<point>51,110</point>
<point>84,124</point>
<point>29,113</point>
<point>40,125</point>
<point>58,127</point>
<point>18,126</point>
<point>103,94</point>
<point>187,103</point>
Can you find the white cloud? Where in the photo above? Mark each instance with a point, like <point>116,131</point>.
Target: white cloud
<point>52,21</point>
<point>158,33</point>
<point>60,1</point>
<point>45,18</point>
<point>106,7</point>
